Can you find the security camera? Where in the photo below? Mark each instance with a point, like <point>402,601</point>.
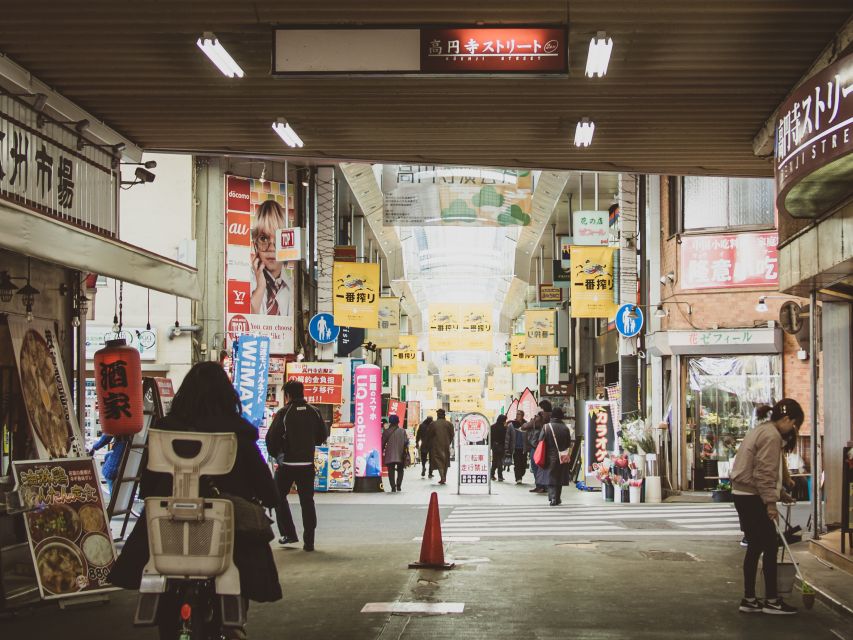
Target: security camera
<point>143,175</point>
<point>641,354</point>
<point>150,164</point>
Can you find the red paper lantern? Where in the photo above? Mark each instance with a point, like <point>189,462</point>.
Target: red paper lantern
<point>118,379</point>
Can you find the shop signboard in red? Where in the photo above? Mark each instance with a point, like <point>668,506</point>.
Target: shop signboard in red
<point>494,50</point>
<point>397,408</point>
<point>67,527</point>
<point>726,261</point>
<point>600,434</point>
<point>323,380</point>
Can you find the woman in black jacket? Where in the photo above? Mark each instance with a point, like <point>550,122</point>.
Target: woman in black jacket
<point>207,402</point>
<point>557,437</point>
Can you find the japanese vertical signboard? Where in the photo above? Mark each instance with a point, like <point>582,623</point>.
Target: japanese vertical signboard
<point>368,426</point>
<point>520,360</point>
<point>730,260</point>
<point>67,526</point>
<point>341,462</point>
<point>404,359</point>
<point>47,395</point>
<point>474,462</point>
<point>397,408</point>
<point>460,327</point>
<point>259,287</point>
<point>600,434</point>
<point>323,381</point>
<point>592,293</point>
<point>251,370</point>
<point>356,294</point>
<point>541,335</point>
<point>387,334</point>
<point>591,228</point>
<point>321,468</point>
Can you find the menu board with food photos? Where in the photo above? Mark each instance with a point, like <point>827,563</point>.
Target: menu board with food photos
<point>67,526</point>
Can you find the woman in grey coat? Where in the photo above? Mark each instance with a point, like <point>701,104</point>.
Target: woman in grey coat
<point>395,445</point>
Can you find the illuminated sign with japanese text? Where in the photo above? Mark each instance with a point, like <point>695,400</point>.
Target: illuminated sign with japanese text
<point>730,260</point>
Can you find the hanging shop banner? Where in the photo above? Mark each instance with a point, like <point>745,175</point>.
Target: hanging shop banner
<point>592,282</point>
<point>512,412</point>
<point>142,339</point>
<point>349,339</point>
<point>541,336</point>
<point>426,195</point>
<point>420,383</point>
<point>321,468</point>
<point>561,275</point>
<point>729,261</point>
<point>502,379</point>
<point>404,359</point>
<point>413,415</point>
<point>467,404</point>
<point>527,403</point>
<point>67,526</point>
<point>251,371</point>
<point>259,287</point>
<point>521,361</point>
<point>368,421</point>
<point>45,389</point>
<point>388,334</point>
<point>564,250</point>
<point>341,462</point>
<point>591,228</point>
<point>323,381</point>
<point>600,434</point>
<point>289,244</point>
<point>397,408</point>
<point>460,327</point>
<point>356,294</point>
<point>461,379</point>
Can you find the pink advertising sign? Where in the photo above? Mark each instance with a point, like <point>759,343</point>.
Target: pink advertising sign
<point>368,416</point>
<point>730,260</point>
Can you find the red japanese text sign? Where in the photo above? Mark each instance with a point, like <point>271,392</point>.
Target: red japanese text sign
<point>322,380</point>
<point>730,260</point>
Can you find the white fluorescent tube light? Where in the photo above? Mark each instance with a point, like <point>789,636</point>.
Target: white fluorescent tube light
<point>211,47</point>
<point>583,132</point>
<point>286,133</point>
<point>600,48</point>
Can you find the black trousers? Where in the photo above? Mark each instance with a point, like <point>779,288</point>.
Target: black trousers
<point>555,492</point>
<point>425,460</point>
<point>497,463</point>
<point>303,476</point>
<point>395,475</point>
<point>519,461</point>
<point>760,535</point>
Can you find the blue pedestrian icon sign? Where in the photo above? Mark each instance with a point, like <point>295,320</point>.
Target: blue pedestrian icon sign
<point>322,328</point>
<point>629,320</point>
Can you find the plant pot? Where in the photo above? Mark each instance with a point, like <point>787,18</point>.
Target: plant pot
<point>721,496</point>
<point>635,494</point>
<point>617,495</point>
<point>607,492</point>
<point>808,600</point>
<point>626,496</point>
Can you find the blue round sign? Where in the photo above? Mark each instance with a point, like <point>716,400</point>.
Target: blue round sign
<point>629,320</point>
<point>322,328</point>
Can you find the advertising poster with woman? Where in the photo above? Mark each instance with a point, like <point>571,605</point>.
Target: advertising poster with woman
<point>259,288</point>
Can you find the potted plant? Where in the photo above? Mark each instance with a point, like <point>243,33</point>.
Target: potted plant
<point>808,595</point>
<point>722,492</point>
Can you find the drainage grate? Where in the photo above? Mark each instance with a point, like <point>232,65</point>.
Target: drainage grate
<point>673,556</point>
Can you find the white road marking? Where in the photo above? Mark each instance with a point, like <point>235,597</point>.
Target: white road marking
<point>424,608</point>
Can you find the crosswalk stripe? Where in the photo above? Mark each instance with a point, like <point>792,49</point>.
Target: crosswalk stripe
<point>626,533</point>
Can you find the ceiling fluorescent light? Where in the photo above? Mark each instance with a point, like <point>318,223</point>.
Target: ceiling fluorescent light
<point>583,132</point>
<point>219,56</point>
<point>286,133</point>
<point>599,55</point>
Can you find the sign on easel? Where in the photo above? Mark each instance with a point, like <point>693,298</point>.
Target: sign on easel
<point>474,455</point>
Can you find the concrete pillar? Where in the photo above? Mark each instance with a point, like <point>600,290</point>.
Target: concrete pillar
<point>628,370</point>
<point>836,326</point>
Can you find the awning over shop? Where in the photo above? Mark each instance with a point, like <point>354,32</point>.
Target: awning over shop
<point>53,241</point>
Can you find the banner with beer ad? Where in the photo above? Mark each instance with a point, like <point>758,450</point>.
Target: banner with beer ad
<point>44,387</point>
<point>460,327</point>
<point>467,404</point>
<point>425,195</point>
<point>259,286</point>
<point>502,379</point>
<point>356,294</point>
<point>461,379</point>
<point>404,359</point>
<point>520,360</point>
<point>388,333</point>
<point>251,371</point>
<point>341,458</point>
<point>599,435</point>
<point>592,282</point>
<point>67,526</point>
<point>323,380</point>
<point>541,337</point>
<point>420,382</point>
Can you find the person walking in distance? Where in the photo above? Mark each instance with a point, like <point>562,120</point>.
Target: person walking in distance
<point>497,441</point>
<point>424,442</point>
<point>756,488</point>
<point>442,440</point>
<point>395,449</point>
<point>516,445</point>
<point>558,443</point>
<point>295,431</point>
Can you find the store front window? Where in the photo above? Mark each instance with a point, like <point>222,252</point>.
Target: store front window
<point>722,394</point>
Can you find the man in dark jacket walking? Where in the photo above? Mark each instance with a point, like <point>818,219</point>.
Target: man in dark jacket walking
<point>497,441</point>
<point>423,440</point>
<point>516,444</point>
<point>295,431</point>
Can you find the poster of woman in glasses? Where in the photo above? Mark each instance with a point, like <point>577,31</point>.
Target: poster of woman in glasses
<point>259,287</point>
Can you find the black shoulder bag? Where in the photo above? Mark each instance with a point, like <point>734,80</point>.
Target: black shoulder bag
<point>250,518</point>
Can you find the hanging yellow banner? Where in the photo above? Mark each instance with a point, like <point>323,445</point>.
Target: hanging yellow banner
<point>420,382</point>
<point>461,379</point>
<point>460,327</point>
<point>356,297</point>
<point>467,404</point>
<point>404,359</point>
<point>502,379</point>
<point>387,335</point>
<point>541,337</point>
<point>520,362</point>
<point>592,282</point>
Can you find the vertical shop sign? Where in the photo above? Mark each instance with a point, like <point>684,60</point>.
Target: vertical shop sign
<point>600,434</point>
<point>386,336</point>
<point>474,454</point>
<point>251,370</point>
<point>398,408</point>
<point>521,361</point>
<point>321,468</point>
<point>592,282</point>
<point>591,228</point>
<point>341,463</point>
<point>356,294</point>
<point>404,359</point>
<point>730,261</point>
<point>368,427</point>
<point>541,337</point>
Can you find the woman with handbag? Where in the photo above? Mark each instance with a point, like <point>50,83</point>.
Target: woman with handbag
<point>395,448</point>
<point>557,438</point>
<point>206,401</point>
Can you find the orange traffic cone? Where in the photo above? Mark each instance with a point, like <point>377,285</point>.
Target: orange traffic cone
<point>432,548</point>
